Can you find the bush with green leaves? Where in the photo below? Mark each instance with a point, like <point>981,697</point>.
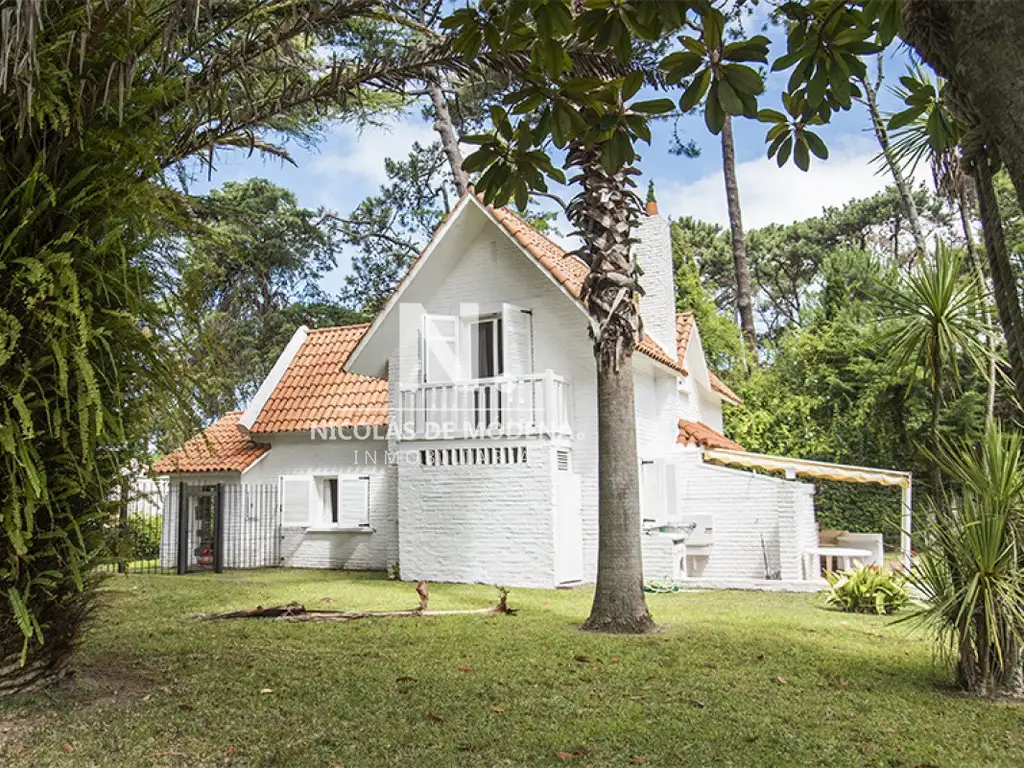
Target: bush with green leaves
<point>867,589</point>
<point>103,103</point>
<point>135,538</point>
<point>970,570</point>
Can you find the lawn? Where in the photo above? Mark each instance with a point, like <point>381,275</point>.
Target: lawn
<point>733,679</point>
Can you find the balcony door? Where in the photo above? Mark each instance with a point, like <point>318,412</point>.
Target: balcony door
<point>487,361</point>
<point>486,342</point>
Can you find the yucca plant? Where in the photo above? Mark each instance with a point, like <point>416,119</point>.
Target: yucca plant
<point>970,570</point>
<point>867,589</point>
<point>932,323</point>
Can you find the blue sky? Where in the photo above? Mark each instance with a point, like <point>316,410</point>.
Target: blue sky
<point>348,165</point>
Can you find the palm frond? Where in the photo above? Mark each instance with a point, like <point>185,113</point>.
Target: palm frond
<point>932,316</point>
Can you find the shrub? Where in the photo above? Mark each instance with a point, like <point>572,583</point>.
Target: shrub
<point>971,570</point>
<point>99,116</point>
<point>136,538</point>
<point>867,589</point>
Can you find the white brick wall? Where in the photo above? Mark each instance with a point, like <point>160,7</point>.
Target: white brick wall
<point>709,410</point>
<point>658,304</point>
<point>657,408</point>
<point>745,508</point>
<point>489,524</point>
<point>299,455</point>
<point>689,407</point>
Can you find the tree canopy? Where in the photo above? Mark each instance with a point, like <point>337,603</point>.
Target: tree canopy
<point>103,105</point>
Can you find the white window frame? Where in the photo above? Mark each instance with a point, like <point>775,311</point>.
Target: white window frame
<point>322,489</point>
<point>321,503</point>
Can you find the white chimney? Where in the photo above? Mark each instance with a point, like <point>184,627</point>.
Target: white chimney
<point>654,254</point>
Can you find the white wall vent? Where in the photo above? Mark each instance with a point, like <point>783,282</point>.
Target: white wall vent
<point>473,457</point>
<point>562,461</point>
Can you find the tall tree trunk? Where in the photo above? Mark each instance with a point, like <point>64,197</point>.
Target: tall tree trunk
<point>1004,282</point>
<point>605,213</point>
<point>976,45</point>
<point>741,266</point>
<point>449,138</point>
<point>882,135</point>
<point>963,204</point>
<point>619,604</point>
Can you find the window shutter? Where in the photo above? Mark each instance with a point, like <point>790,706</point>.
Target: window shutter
<point>354,500</point>
<point>658,488</point>
<point>517,327</point>
<point>440,351</point>
<point>671,503</point>
<point>296,498</point>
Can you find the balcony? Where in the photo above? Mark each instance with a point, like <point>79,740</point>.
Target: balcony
<point>529,405</point>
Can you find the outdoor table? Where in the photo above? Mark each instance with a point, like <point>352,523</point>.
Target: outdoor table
<point>845,555</point>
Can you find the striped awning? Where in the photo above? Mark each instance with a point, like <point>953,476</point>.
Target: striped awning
<point>843,473</point>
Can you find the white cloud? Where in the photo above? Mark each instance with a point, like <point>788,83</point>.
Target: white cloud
<point>350,156</point>
<point>773,195</point>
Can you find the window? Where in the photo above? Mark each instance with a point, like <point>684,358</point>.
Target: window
<point>486,362</point>
<point>343,501</point>
<point>329,495</point>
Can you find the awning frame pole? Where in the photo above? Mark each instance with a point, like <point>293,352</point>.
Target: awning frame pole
<point>906,524</point>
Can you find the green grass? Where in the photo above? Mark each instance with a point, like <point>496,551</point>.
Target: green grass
<point>733,679</point>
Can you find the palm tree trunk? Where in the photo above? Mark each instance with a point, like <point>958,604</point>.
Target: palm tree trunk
<point>741,265</point>
<point>1004,282</point>
<point>449,138</point>
<point>878,126</point>
<point>619,604</point>
<point>979,273</point>
<point>605,214</point>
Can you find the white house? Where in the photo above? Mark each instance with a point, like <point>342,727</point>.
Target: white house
<point>456,434</point>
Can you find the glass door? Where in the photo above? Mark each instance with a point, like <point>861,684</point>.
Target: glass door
<point>202,535</point>
<point>487,364</point>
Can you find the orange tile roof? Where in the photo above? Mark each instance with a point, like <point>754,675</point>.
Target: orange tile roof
<point>570,271</point>
<point>218,448</point>
<point>699,433</point>
<point>721,388</point>
<point>653,350</point>
<point>317,391</point>
<point>684,327</point>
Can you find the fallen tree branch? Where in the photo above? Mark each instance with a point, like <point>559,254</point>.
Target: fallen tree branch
<point>299,612</point>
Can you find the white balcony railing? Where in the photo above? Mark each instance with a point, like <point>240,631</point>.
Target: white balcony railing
<point>507,406</point>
